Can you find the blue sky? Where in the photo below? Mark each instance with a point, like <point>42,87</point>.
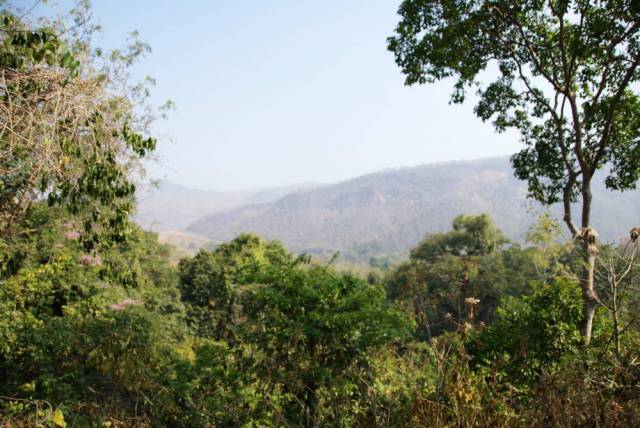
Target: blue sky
<point>279,92</point>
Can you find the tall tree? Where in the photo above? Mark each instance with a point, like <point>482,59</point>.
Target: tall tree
<point>312,326</point>
<point>448,274</point>
<point>565,75</point>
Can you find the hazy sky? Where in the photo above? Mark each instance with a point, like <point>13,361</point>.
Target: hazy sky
<point>278,92</point>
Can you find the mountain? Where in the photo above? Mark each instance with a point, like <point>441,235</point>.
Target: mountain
<point>167,206</point>
<point>390,211</point>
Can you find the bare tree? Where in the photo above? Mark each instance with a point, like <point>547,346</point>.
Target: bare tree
<point>617,273</point>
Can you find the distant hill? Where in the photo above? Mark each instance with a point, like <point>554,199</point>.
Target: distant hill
<point>390,211</point>
<point>167,206</point>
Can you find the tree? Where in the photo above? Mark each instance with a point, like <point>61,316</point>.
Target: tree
<point>73,323</point>
<point>312,325</point>
<point>77,327</point>
<point>566,75</point>
<point>448,272</point>
<point>532,333</point>
<point>72,132</point>
<point>471,236</point>
<point>209,281</point>
<point>617,270</point>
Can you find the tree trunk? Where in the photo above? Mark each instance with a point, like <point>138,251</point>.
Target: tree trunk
<point>616,328</point>
<point>590,251</point>
<point>589,296</point>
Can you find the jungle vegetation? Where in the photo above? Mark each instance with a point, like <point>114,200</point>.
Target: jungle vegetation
<point>99,328</point>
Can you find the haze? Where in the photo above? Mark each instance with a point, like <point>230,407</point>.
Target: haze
<point>275,93</point>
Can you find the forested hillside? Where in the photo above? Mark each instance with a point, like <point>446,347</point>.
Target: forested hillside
<point>390,211</point>
<point>100,325</point>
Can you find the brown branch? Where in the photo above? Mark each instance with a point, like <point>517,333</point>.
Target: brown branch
<point>566,199</point>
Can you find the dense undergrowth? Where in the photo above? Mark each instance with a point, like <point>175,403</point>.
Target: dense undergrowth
<point>250,335</point>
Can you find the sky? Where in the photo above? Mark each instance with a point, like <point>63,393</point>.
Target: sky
<point>280,92</point>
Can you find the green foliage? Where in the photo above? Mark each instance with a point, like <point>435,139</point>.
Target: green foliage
<point>313,324</point>
<point>217,386</point>
<point>471,236</point>
<point>310,328</point>
<point>566,73</point>
<point>209,280</point>
<point>105,339</point>
<point>446,269</point>
<point>22,47</point>
<point>76,323</point>
<point>533,333</point>
<point>334,318</point>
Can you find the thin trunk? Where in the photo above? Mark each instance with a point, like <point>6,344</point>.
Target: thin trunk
<point>590,299</point>
<point>590,251</point>
<point>616,328</point>
<point>586,202</point>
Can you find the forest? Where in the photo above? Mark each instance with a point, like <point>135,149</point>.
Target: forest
<point>100,326</point>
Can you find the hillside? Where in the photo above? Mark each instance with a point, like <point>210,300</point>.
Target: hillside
<point>392,210</point>
<point>171,207</point>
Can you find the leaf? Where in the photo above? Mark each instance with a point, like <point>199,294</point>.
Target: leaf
<point>58,418</point>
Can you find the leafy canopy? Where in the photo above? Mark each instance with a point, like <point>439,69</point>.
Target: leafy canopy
<point>563,73</point>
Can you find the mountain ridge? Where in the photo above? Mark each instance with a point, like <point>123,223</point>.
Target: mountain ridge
<point>390,211</point>
<point>377,213</point>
